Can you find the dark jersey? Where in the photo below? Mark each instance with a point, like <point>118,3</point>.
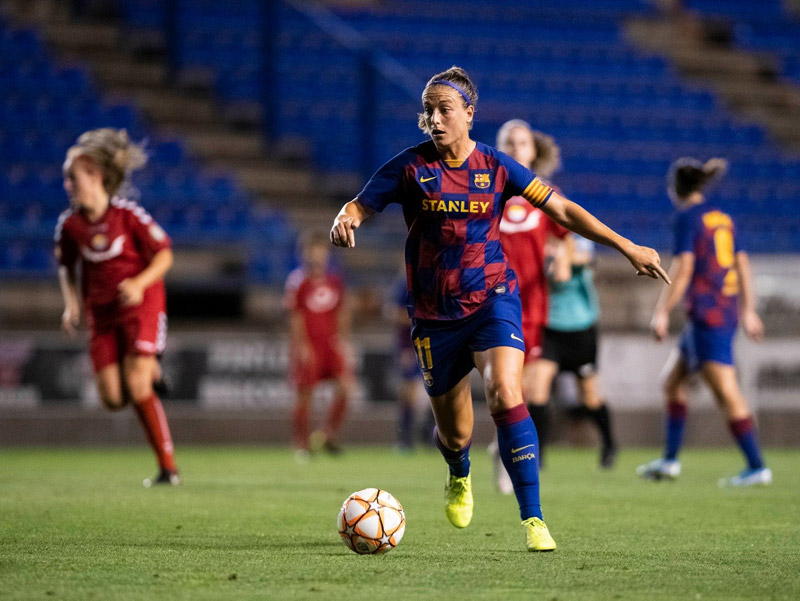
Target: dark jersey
<point>712,296</point>
<point>454,258</point>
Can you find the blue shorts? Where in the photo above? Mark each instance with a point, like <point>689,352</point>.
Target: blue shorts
<point>699,343</point>
<point>444,348</point>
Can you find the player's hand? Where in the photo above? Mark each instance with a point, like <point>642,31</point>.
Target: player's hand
<point>660,325</point>
<point>753,326</point>
<point>70,320</point>
<point>343,231</point>
<point>561,269</point>
<point>131,293</point>
<point>646,262</point>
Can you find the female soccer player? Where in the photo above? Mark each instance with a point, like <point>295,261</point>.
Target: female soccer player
<point>124,256</point>
<point>464,299</point>
<point>713,270</point>
<point>320,332</point>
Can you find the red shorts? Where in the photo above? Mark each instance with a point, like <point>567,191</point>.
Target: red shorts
<point>532,333</point>
<point>325,364</point>
<point>135,333</point>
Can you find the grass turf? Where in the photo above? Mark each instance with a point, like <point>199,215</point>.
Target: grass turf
<point>250,524</point>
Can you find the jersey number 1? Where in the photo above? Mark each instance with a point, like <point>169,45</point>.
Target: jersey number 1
<point>423,346</point>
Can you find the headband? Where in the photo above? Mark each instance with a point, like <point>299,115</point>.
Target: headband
<point>442,82</point>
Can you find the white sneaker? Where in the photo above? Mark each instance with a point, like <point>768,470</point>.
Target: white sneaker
<point>660,469</point>
<point>759,477</point>
<point>501,478</point>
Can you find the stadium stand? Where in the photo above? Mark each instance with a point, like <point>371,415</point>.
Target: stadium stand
<point>621,116</point>
<point>48,104</point>
<point>345,82</point>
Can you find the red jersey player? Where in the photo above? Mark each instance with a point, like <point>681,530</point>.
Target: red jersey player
<point>320,329</point>
<point>123,255</point>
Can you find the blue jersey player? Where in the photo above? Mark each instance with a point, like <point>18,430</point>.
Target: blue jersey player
<point>463,301</point>
<point>712,269</point>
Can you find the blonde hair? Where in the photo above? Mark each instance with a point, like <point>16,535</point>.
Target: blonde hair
<point>455,75</point>
<point>548,153</point>
<point>112,150</point>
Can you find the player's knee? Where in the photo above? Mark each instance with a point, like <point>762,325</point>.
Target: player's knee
<point>503,394</point>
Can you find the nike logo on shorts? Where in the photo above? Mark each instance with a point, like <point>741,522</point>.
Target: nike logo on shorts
<point>515,337</point>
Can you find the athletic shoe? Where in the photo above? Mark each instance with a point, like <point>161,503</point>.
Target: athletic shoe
<point>501,478</point>
<point>608,456</point>
<point>660,469</point>
<point>537,536</point>
<point>759,477</point>
<point>164,477</point>
<point>458,500</point>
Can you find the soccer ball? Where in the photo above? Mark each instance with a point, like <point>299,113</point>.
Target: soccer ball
<point>371,521</point>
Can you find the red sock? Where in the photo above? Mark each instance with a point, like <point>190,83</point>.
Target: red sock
<point>154,422</point>
<point>335,416</point>
<point>300,419</point>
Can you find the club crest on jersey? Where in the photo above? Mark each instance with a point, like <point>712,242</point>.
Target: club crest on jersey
<point>482,180</point>
<point>99,242</point>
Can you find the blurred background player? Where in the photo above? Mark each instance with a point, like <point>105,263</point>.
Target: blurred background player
<point>123,255</point>
<point>466,310</point>
<point>713,270</point>
<point>410,388</point>
<point>525,232</point>
<point>319,325</point>
<point>570,345</point>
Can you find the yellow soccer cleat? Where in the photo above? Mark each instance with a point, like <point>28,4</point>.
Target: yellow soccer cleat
<point>537,536</point>
<point>458,500</point>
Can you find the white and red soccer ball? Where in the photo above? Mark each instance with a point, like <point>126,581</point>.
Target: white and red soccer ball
<point>371,521</point>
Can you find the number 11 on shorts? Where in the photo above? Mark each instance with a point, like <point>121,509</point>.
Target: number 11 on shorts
<point>423,346</point>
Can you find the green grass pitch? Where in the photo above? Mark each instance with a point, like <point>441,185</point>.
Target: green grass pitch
<point>250,524</point>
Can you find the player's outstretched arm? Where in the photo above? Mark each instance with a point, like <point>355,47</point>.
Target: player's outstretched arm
<point>751,322</point>
<point>565,212</point>
<point>680,272</point>
<point>352,215</point>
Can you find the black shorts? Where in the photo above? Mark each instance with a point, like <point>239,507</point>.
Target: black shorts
<point>573,351</point>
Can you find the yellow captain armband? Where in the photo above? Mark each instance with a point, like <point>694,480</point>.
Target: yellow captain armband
<point>537,193</point>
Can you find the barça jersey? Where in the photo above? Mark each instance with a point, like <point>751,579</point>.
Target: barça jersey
<point>712,297</point>
<point>454,258</point>
<point>117,246</point>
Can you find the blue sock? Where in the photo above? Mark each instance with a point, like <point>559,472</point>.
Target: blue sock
<point>743,432</point>
<point>457,461</point>
<point>405,427</point>
<point>519,449</point>
<point>676,423</point>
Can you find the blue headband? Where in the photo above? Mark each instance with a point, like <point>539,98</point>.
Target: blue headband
<point>442,82</point>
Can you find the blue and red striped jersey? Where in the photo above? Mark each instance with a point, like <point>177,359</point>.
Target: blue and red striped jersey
<point>712,296</point>
<point>454,259</point>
